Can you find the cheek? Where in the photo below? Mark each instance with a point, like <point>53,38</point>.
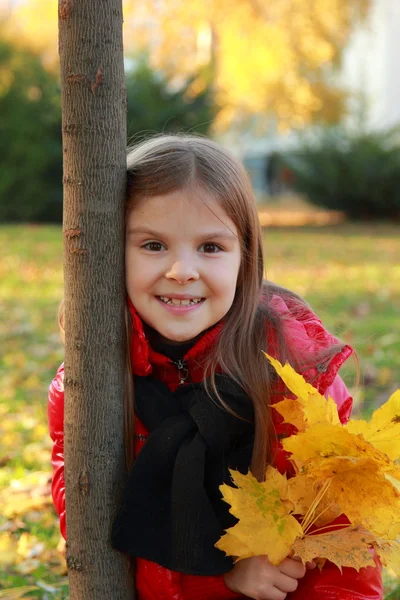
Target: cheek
<point>225,278</point>
<point>136,273</point>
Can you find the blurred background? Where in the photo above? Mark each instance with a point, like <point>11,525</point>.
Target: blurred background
<point>307,95</point>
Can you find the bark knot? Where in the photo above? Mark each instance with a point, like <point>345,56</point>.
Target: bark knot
<point>65,8</point>
<point>78,251</point>
<point>70,233</point>
<point>83,483</point>
<point>76,78</point>
<point>99,80</point>
<point>73,128</point>
<point>70,382</point>
<point>74,563</point>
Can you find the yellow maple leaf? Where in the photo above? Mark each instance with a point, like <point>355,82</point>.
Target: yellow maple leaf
<point>266,526</point>
<point>339,470</point>
<point>304,495</point>
<point>394,478</point>
<point>369,499</point>
<point>346,547</point>
<point>325,440</point>
<point>293,380</point>
<point>233,546</point>
<point>389,553</point>
<point>301,493</point>
<point>358,488</point>
<point>310,407</point>
<point>292,412</point>
<point>383,430</point>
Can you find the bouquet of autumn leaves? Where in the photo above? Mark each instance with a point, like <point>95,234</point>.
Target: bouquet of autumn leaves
<point>350,469</point>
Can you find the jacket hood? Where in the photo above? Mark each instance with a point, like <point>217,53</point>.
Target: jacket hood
<point>301,328</point>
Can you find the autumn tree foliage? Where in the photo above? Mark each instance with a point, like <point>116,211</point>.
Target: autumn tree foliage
<point>266,57</point>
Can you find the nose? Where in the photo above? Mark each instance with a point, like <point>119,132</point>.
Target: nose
<point>183,271</point>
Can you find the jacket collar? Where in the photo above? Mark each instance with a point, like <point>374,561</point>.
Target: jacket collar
<point>301,327</point>
<point>145,360</point>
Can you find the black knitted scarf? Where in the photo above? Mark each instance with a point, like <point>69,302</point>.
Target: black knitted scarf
<point>172,512</point>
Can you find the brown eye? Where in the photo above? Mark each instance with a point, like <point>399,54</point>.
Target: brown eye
<point>210,248</point>
<point>154,246</point>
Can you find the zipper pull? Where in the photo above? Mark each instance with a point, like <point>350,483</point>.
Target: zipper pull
<point>183,371</point>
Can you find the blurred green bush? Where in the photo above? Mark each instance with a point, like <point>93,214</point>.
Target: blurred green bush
<point>30,127</point>
<point>157,104</point>
<point>357,173</point>
<point>30,139</point>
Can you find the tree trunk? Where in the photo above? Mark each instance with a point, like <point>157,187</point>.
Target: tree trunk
<point>94,146</point>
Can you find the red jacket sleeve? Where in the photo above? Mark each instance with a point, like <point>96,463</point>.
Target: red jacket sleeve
<point>55,414</point>
<point>203,587</point>
<point>330,584</point>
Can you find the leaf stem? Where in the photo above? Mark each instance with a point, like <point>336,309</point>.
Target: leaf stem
<point>338,527</point>
<point>316,518</point>
<point>309,516</point>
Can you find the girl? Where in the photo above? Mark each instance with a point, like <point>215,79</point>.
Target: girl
<point>199,314</point>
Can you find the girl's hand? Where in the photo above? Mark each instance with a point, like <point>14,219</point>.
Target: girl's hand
<point>256,578</point>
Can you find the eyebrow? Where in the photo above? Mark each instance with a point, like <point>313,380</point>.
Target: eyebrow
<point>220,234</point>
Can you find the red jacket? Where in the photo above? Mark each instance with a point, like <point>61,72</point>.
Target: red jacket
<point>155,582</point>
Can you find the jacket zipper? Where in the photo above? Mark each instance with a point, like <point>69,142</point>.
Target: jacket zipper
<point>183,370</point>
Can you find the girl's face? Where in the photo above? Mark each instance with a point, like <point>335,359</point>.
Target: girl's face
<point>182,263</point>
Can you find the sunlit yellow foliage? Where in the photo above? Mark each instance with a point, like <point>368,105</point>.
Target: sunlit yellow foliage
<point>389,553</point>
<point>263,517</point>
<point>350,470</point>
<point>34,23</point>
<point>265,57</point>
<point>323,441</point>
<point>310,408</point>
<point>383,431</point>
<point>262,54</point>
<point>347,547</point>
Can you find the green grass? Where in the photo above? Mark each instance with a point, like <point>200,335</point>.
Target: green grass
<point>350,274</point>
<point>31,289</point>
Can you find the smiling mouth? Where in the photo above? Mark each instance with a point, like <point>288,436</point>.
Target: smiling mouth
<point>177,302</point>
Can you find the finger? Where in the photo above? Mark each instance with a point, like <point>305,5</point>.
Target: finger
<point>285,583</point>
<point>292,568</point>
<point>267,592</point>
<point>275,594</point>
<point>309,564</point>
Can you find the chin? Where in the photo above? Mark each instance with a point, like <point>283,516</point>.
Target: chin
<point>180,338</point>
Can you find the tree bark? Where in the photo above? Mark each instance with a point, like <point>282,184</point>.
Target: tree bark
<point>94,147</point>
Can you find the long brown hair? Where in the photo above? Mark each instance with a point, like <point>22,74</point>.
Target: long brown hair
<point>168,163</point>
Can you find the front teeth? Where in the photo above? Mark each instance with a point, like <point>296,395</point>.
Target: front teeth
<point>176,302</point>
